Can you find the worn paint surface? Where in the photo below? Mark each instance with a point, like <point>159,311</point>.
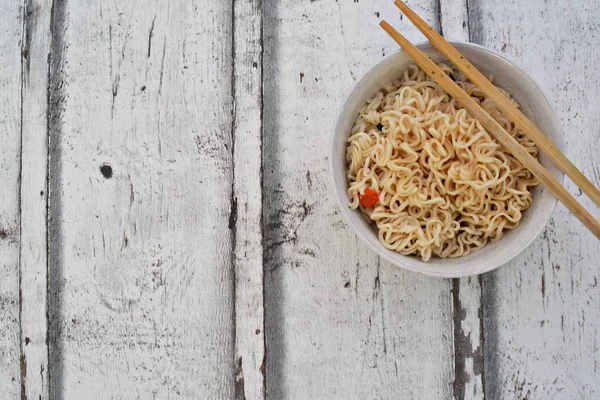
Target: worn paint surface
<point>33,256</point>
<point>186,153</point>
<point>142,267</point>
<point>10,149</point>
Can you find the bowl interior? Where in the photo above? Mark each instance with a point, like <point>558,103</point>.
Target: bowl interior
<point>534,105</point>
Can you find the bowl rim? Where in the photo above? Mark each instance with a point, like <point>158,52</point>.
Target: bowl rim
<point>387,255</point>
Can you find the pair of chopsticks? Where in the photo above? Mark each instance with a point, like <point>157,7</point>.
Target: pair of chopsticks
<point>490,124</point>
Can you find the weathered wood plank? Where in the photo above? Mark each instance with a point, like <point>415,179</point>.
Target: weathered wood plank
<point>33,197</point>
<point>341,323</point>
<point>247,200</point>
<point>466,305</point>
<point>454,20</point>
<point>11,32</point>
<point>541,311</point>
<point>144,155</point>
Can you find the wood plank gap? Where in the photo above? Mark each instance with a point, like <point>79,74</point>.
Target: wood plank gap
<point>439,16</point>
<point>54,98</point>
<point>469,358</point>
<point>263,365</point>
<point>237,364</point>
<point>475,21</point>
<point>260,63</point>
<point>481,315</point>
<point>246,200</point>
<point>22,360</point>
<point>458,314</point>
<point>490,331</point>
<point>467,22</point>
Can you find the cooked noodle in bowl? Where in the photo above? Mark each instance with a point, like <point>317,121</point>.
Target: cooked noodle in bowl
<point>432,180</point>
<point>417,178</point>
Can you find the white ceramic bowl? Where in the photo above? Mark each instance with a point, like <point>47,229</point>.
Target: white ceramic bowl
<point>534,105</point>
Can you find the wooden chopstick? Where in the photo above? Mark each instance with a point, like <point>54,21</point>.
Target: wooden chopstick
<point>512,112</point>
<point>493,127</point>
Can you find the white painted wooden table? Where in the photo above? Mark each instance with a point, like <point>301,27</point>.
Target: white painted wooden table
<point>167,229</point>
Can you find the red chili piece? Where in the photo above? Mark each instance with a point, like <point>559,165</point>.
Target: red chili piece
<point>369,198</point>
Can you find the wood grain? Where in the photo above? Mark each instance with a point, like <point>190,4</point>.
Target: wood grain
<point>247,200</point>
<point>143,286</point>
<point>341,323</point>
<point>541,311</point>
<point>11,32</point>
